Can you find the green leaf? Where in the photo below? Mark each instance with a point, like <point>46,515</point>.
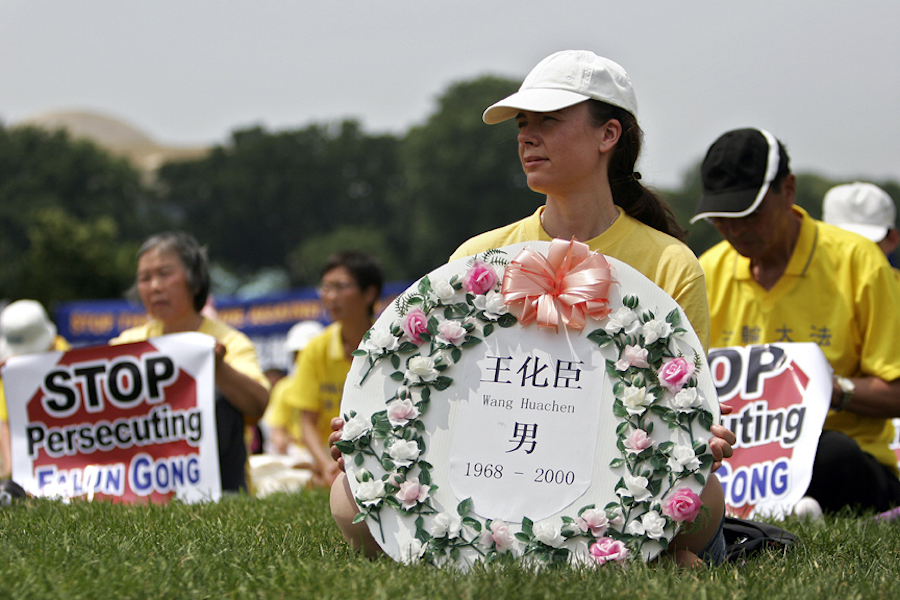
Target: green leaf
<point>471,341</point>
<point>455,355</point>
<point>416,300</point>
<point>616,463</point>
<point>397,376</point>
<point>426,394</point>
<point>359,459</point>
<point>507,320</point>
<point>359,352</point>
<point>674,318</point>
<point>395,361</point>
<point>359,518</point>
<point>488,329</point>
<point>442,383</point>
<point>464,507</point>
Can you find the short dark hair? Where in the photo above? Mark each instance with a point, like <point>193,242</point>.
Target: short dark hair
<point>362,267</point>
<point>192,256</point>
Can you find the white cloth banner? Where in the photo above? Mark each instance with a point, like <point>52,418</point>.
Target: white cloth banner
<point>780,394</point>
<point>128,423</point>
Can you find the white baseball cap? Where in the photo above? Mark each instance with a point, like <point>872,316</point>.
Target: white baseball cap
<point>859,207</point>
<point>25,328</point>
<point>564,79</point>
<point>300,334</point>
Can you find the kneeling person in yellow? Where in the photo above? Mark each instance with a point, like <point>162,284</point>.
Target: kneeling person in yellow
<point>25,328</point>
<point>350,286</point>
<point>173,283</point>
<point>781,276</point>
<point>282,418</point>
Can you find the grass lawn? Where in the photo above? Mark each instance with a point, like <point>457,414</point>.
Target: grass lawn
<point>285,546</point>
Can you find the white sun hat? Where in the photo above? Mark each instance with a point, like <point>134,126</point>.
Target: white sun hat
<point>25,328</point>
<point>300,334</point>
<point>564,79</point>
<point>859,207</point>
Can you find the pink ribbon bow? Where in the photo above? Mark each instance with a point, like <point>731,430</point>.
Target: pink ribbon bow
<point>570,283</point>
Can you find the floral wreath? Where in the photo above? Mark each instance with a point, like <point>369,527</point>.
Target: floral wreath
<point>441,319</point>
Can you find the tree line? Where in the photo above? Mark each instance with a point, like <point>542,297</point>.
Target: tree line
<point>72,216</point>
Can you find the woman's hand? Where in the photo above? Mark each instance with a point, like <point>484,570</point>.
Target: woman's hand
<point>723,438</point>
<point>337,429</point>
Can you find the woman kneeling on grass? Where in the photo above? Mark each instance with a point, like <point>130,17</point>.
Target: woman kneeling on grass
<point>578,143</point>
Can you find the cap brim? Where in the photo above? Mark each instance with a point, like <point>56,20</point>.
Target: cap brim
<point>876,233</point>
<point>534,100</point>
<point>726,204</point>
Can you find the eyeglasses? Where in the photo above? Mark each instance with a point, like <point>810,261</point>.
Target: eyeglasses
<point>334,286</point>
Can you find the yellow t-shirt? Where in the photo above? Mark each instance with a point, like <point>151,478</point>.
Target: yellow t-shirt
<point>838,291</point>
<point>318,382</point>
<point>661,258</point>
<point>59,345</point>
<point>280,413</point>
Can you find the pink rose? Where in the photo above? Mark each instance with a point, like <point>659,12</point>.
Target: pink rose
<point>675,373</point>
<point>594,520</point>
<point>683,505</point>
<point>499,535</point>
<point>411,492</point>
<point>480,279</point>
<point>400,412</point>
<point>608,549</point>
<point>452,332</point>
<point>414,324</point>
<point>637,440</point>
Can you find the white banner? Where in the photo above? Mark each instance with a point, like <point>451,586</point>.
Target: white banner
<point>780,394</point>
<point>128,423</point>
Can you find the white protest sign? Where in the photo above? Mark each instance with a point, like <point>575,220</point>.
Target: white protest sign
<point>128,423</point>
<point>780,394</point>
<point>473,432</point>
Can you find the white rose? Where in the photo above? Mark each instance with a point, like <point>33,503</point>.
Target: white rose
<point>654,525</point>
<point>445,524</point>
<point>421,368</point>
<point>381,340</point>
<point>656,329</point>
<point>686,400</point>
<point>635,487</point>
<point>683,457</point>
<point>442,290</point>
<point>403,452</point>
<point>623,318</point>
<point>355,428</point>
<point>492,304</point>
<point>549,534</point>
<point>636,399</point>
<point>370,492</point>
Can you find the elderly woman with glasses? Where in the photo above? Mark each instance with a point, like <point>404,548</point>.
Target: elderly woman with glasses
<point>173,284</point>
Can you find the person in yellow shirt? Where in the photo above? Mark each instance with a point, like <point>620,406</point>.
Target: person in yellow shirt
<point>350,286</point>
<point>578,142</point>
<point>173,284</point>
<point>781,276</point>
<point>282,419</point>
<point>25,328</point>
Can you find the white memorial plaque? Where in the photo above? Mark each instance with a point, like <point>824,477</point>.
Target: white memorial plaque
<point>513,403</point>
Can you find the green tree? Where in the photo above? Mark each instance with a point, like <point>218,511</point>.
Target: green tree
<point>73,259</point>
<point>256,200</point>
<point>47,178</point>
<point>461,176</point>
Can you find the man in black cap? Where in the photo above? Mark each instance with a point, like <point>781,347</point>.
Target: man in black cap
<point>781,276</point>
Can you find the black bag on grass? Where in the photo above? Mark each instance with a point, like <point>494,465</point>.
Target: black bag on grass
<point>744,538</point>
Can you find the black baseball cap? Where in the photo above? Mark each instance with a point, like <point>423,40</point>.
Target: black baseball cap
<point>736,173</point>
